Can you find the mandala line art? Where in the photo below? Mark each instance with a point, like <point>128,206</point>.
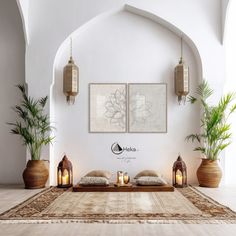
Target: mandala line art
<point>140,109</point>
<point>116,108</point>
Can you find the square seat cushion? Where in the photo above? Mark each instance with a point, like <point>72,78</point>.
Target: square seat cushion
<point>153,173</point>
<point>99,173</point>
<point>94,181</point>
<point>150,181</point>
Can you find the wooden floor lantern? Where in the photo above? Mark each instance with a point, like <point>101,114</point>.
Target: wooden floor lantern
<point>64,173</point>
<point>179,173</point>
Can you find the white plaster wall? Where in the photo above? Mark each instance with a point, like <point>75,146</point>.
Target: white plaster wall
<point>225,4</point>
<point>12,51</point>
<point>124,48</point>
<point>199,19</point>
<point>23,6</point>
<point>230,46</point>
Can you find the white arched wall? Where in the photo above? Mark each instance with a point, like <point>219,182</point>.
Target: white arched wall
<point>230,48</point>
<point>23,6</point>
<point>12,69</point>
<point>225,7</point>
<point>201,20</point>
<point>125,47</point>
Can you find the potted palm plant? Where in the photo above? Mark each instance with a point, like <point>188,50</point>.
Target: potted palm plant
<point>33,126</point>
<point>215,133</point>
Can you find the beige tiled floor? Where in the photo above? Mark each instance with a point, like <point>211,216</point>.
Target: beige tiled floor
<point>225,195</point>
<point>12,195</point>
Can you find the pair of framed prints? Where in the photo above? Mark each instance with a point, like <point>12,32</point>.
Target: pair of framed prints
<point>133,108</point>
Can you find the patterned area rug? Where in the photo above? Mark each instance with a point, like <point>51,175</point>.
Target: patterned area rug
<point>187,206</point>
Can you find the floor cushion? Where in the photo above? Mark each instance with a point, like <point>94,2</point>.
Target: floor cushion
<point>99,173</point>
<point>93,181</point>
<point>147,173</point>
<point>150,180</point>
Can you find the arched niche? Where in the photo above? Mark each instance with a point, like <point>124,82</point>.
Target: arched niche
<point>225,8</point>
<point>137,11</point>
<point>230,85</point>
<point>12,47</point>
<point>23,7</point>
<point>128,45</point>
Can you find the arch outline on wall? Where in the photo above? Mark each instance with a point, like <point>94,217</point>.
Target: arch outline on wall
<point>147,14</point>
<point>130,9</point>
<point>23,14</point>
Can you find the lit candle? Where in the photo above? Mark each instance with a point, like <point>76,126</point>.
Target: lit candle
<point>65,179</point>
<point>126,179</point>
<point>179,179</point>
<point>121,180</point>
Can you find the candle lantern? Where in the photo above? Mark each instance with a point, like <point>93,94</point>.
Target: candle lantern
<point>120,177</point>
<point>179,173</point>
<point>126,178</point>
<point>64,173</point>
<point>181,78</point>
<point>71,80</point>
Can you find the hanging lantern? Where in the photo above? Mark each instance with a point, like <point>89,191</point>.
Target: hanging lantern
<point>179,173</point>
<point>181,78</point>
<point>64,173</point>
<point>71,79</point>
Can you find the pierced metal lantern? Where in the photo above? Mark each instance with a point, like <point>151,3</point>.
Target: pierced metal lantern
<point>181,79</point>
<point>71,80</point>
<point>179,173</point>
<point>64,173</point>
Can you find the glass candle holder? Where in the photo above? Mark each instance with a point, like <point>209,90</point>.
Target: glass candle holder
<point>120,177</point>
<point>126,178</point>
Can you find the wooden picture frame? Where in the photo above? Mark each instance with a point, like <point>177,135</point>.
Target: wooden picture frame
<point>107,107</point>
<point>147,108</point>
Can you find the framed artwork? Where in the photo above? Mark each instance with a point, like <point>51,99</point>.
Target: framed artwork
<point>147,108</point>
<point>108,108</point>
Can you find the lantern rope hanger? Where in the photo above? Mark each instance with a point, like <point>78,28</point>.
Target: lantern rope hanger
<point>70,50</point>
<point>181,77</point>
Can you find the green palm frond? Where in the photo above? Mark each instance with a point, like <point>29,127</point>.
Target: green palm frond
<point>192,99</point>
<point>21,88</point>
<point>194,137</point>
<point>201,149</point>
<point>43,101</point>
<point>204,90</point>
<point>33,125</point>
<point>216,135</point>
<point>232,109</point>
<point>225,101</point>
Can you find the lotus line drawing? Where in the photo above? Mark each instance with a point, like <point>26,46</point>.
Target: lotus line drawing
<point>116,108</point>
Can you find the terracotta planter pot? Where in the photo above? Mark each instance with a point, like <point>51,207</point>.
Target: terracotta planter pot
<point>209,173</point>
<point>35,174</point>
